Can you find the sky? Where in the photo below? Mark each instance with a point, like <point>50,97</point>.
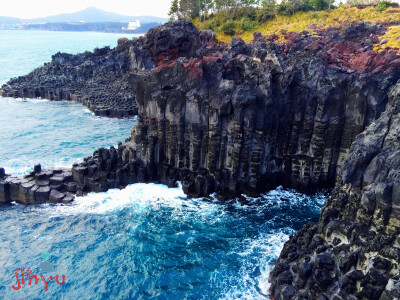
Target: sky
<point>28,9</point>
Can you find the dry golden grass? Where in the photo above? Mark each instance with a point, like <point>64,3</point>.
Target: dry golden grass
<point>392,36</point>
<point>322,19</point>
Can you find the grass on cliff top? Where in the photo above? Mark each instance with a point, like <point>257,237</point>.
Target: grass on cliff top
<point>392,36</point>
<point>307,21</point>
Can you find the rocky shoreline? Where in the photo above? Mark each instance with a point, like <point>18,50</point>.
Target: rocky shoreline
<point>243,118</point>
<point>97,79</point>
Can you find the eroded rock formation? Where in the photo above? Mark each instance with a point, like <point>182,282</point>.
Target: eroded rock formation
<point>314,112</point>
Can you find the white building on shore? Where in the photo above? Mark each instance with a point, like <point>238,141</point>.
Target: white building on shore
<point>132,25</point>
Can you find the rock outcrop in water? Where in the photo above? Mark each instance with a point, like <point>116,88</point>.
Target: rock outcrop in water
<point>97,79</point>
<point>40,186</point>
<point>314,112</point>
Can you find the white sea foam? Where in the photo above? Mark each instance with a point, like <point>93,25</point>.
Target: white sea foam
<point>139,195</point>
<point>266,247</point>
<point>252,251</point>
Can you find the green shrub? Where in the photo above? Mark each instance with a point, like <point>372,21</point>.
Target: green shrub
<point>381,6</point>
<point>319,4</point>
<point>245,12</point>
<point>315,16</point>
<point>290,7</point>
<point>283,9</point>
<point>213,24</point>
<point>247,25</point>
<point>265,14</point>
<point>388,3</point>
<point>229,28</point>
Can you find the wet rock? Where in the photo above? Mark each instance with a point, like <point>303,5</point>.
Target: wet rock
<point>4,192</point>
<point>97,80</point>
<point>392,289</point>
<point>323,278</point>
<point>55,196</point>
<point>14,184</point>
<point>288,293</point>
<point>71,187</point>
<point>42,194</point>
<point>305,270</point>
<point>25,193</point>
<point>56,180</point>
<point>43,182</point>
<point>41,176</point>
<point>37,169</point>
<point>67,199</point>
<point>57,187</point>
<point>325,261</point>
<point>360,214</point>
<point>79,173</point>
<point>67,176</point>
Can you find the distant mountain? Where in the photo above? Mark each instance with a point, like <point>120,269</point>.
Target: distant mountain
<point>89,26</point>
<point>90,14</point>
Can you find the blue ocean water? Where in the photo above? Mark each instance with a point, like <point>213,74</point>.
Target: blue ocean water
<point>143,242</point>
<point>52,133</point>
<point>150,242</point>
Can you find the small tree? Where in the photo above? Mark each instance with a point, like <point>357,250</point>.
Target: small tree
<point>174,9</point>
<point>319,4</point>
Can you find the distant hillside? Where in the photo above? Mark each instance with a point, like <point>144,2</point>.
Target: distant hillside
<point>112,27</point>
<point>93,14</point>
<point>90,14</point>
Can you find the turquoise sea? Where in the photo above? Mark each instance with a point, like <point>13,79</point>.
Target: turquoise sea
<point>143,242</point>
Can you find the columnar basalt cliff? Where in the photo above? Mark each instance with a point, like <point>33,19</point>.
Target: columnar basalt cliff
<point>242,118</point>
<point>353,252</point>
<point>315,112</point>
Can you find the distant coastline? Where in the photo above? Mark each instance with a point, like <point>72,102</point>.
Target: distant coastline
<point>90,19</point>
<point>108,27</point>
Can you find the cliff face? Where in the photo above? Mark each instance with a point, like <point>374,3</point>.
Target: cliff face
<point>353,252</point>
<point>243,118</point>
<point>314,112</point>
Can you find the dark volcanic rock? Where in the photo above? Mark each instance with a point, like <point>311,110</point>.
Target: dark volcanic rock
<point>254,116</point>
<point>36,188</point>
<point>366,225</point>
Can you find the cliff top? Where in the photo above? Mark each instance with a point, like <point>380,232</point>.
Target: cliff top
<point>311,21</point>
